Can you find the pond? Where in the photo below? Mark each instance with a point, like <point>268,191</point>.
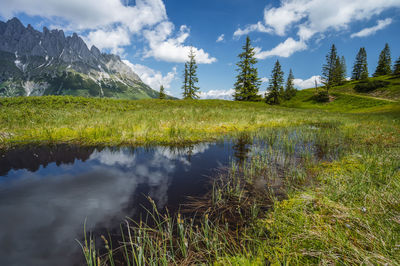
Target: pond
<point>47,193</point>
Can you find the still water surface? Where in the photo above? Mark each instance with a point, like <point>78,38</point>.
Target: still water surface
<point>46,193</point>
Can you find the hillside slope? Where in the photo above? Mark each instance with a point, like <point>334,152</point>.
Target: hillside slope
<point>34,63</point>
<point>346,99</point>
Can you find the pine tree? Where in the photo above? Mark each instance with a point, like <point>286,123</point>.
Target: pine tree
<point>185,82</point>
<point>248,83</point>
<point>396,68</point>
<point>275,87</point>
<point>360,68</point>
<point>190,73</point>
<point>162,95</point>
<point>290,90</point>
<point>329,70</point>
<point>385,63</point>
<point>343,69</point>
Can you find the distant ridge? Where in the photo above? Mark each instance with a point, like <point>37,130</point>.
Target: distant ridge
<point>34,63</point>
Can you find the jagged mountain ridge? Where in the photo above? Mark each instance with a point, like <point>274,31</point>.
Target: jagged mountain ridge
<point>48,63</point>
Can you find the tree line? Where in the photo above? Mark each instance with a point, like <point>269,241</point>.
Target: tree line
<point>247,85</point>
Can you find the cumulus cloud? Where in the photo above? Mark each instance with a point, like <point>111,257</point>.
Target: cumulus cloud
<point>315,17</point>
<point>221,38</point>
<point>110,24</point>
<point>163,46</point>
<point>90,14</point>
<point>113,39</point>
<point>285,49</point>
<point>307,83</point>
<point>372,30</point>
<point>217,94</point>
<point>255,27</point>
<point>152,77</point>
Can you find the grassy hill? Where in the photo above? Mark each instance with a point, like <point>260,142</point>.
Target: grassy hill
<point>346,99</point>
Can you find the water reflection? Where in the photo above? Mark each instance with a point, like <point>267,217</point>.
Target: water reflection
<point>46,193</point>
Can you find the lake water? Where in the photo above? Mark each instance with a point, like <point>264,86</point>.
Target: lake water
<point>46,193</point>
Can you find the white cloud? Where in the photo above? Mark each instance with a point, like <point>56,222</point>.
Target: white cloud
<point>221,38</point>
<point>285,49</point>
<point>255,27</point>
<point>217,94</point>
<point>370,31</point>
<point>307,83</point>
<point>110,24</point>
<point>264,80</point>
<point>315,17</point>
<point>152,77</point>
<point>90,14</point>
<point>114,39</point>
<point>163,46</point>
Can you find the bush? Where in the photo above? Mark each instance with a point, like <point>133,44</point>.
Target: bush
<point>368,85</point>
<point>321,96</point>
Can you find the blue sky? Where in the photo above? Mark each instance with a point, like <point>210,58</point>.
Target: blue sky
<point>154,35</point>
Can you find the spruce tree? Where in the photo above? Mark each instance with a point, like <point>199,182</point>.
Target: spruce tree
<point>275,87</point>
<point>343,69</point>
<point>162,95</point>
<point>290,90</point>
<point>385,63</point>
<point>247,83</point>
<point>329,69</point>
<point>185,82</point>
<point>360,68</point>
<point>396,68</point>
<point>192,89</point>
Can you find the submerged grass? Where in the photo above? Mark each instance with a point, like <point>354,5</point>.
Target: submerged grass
<point>321,193</point>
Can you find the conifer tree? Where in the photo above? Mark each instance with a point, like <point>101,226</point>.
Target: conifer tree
<point>247,83</point>
<point>185,82</point>
<point>192,89</point>
<point>290,90</point>
<point>275,87</point>
<point>329,69</point>
<point>162,95</point>
<point>360,68</point>
<point>343,69</point>
<point>385,63</point>
<point>396,68</point>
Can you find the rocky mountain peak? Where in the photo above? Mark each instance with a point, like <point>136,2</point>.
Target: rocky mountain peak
<point>46,60</point>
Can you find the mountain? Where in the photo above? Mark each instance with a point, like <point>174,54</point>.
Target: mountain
<point>34,63</point>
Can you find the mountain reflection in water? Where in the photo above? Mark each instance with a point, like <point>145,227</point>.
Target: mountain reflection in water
<point>46,193</point>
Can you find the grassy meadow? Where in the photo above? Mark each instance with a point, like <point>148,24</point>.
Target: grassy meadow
<point>333,170</point>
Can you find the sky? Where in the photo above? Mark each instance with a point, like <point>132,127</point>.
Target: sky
<point>154,36</point>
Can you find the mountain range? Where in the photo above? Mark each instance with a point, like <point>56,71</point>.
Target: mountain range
<point>34,63</point>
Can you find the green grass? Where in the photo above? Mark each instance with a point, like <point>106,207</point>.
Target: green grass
<point>346,99</point>
<point>64,119</point>
<point>342,208</point>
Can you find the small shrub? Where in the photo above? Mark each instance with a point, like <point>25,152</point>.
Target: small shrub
<point>321,96</point>
<point>370,85</point>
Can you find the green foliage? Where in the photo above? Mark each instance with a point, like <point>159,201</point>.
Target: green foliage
<point>360,68</point>
<point>190,91</point>
<point>334,70</point>
<point>396,67</point>
<point>290,90</point>
<point>321,96</point>
<point>370,85</point>
<point>162,93</point>
<point>329,68</point>
<point>275,88</point>
<point>247,81</point>
<point>385,63</point>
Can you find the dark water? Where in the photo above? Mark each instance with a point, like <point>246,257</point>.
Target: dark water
<point>46,193</point>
